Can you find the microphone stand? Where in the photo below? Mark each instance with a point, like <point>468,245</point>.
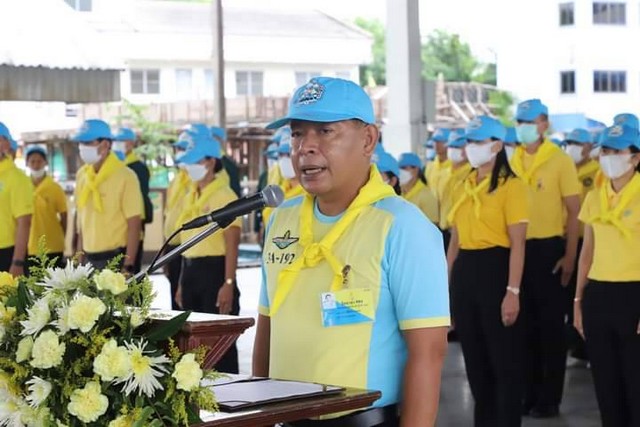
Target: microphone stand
<point>163,260</point>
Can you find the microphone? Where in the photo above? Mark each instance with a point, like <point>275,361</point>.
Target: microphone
<point>271,196</point>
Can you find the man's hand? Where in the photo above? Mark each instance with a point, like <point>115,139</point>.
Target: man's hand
<point>510,308</point>
<point>16,270</point>
<point>178,296</point>
<point>225,299</point>
<point>567,266</point>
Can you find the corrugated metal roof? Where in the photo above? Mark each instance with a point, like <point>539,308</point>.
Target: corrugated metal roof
<point>48,33</point>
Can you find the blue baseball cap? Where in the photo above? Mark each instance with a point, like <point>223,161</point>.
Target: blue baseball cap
<point>328,99</point>
<point>119,155</point>
<point>198,129</point>
<point>428,143</point>
<point>284,148</point>
<point>529,110</point>
<point>33,149</point>
<point>202,147</point>
<point>387,163</point>
<point>409,160</point>
<point>91,130</point>
<point>558,142</point>
<point>596,137</point>
<point>272,151</point>
<point>4,132</point>
<point>218,132</point>
<point>13,144</point>
<point>456,139</point>
<point>627,119</point>
<point>581,136</point>
<point>125,134</point>
<point>510,137</point>
<point>185,140</point>
<point>441,135</point>
<point>620,137</point>
<point>485,127</point>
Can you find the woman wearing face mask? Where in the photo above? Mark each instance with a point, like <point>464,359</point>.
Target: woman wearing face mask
<point>389,170</point>
<point>414,186</point>
<point>208,278</point>
<point>290,184</point>
<point>50,209</point>
<point>607,300</point>
<point>486,260</point>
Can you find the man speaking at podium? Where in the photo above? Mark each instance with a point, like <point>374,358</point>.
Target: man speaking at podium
<point>351,240</point>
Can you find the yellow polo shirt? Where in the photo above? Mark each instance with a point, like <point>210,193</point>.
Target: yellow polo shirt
<point>50,202</point>
<point>552,181</point>
<point>434,171</point>
<point>446,190</point>
<point>616,257</point>
<point>176,193</point>
<point>421,196</point>
<point>121,200</point>
<point>213,245</point>
<point>487,227</point>
<point>16,200</point>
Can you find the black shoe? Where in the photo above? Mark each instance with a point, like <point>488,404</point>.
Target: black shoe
<point>551,411</point>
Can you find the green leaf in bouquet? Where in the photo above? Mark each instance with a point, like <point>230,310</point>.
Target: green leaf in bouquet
<point>194,417</point>
<point>144,416</point>
<point>168,329</point>
<point>24,299</point>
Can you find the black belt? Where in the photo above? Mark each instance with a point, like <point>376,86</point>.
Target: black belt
<point>387,415</point>
<point>106,255</point>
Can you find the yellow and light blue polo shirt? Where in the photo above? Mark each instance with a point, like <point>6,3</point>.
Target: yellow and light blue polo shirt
<point>391,249</point>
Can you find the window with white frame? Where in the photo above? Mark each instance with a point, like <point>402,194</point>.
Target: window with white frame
<point>184,83</point>
<point>81,5</point>
<point>566,14</point>
<point>567,82</point>
<point>249,83</point>
<point>302,77</point>
<point>609,13</point>
<point>610,81</point>
<point>145,81</point>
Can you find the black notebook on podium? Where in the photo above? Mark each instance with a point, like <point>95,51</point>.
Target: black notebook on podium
<point>238,392</point>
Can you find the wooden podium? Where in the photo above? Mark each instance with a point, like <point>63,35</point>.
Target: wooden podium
<point>214,331</point>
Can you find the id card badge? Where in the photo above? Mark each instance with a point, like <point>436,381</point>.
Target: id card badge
<point>347,307</point>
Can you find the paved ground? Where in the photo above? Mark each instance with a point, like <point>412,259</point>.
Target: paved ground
<point>456,404</point>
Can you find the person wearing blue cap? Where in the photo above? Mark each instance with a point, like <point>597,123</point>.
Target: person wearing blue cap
<point>208,279</point>
<point>414,186</point>
<point>554,188</point>
<point>440,164</point>
<point>229,165</point>
<point>389,170</point>
<point>351,240</point>
<point>486,259</point>
<point>125,142</point>
<point>607,299</point>
<point>49,218</point>
<point>510,142</point>
<point>16,208</point>
<point>627,119</point>
<point>108,200</point>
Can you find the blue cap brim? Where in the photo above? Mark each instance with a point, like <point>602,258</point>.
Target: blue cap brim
<point>317,116</point>
<point>192,157</point>
<point>617,145</point>
<point>457,143</point>
<point>528,116</point>
<point>84,138</point>
<point>181,144</point>
<point>477,135</point>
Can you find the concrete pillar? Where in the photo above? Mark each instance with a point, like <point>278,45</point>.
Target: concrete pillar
<point>405,129</point>
<point>219,106</point>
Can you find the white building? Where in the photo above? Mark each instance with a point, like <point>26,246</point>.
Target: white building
<point>574,55</point>
<point>168,48</point>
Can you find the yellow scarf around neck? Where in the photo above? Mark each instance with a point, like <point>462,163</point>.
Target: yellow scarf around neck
<point>471,190</point>
<point>545,152</point>
<point>195,200</point>
<point>613,215</point>
<point>315,252</point>
<point>93,181</point>
<point>588,169</point>
<point>419,185</point>
<point>131,158</point>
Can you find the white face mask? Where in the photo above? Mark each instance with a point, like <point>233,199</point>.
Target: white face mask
<point>286,167</point>
<point>38,173</point>
<point>430,154</point>
<point>575,152</point>
<point>455,155</point>
<point>595,153</point>
<point>89,154</point>
<point>479,154</point>
<point>615,165</point>
<point>271,163</point>
<point>405,176</point>
<point>511,150</point>
<point>196,172</point>
<point>120,146</point>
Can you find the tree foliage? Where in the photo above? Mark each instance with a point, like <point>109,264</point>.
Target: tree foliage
<point>376,71</point>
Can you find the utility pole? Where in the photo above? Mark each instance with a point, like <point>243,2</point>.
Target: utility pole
<point>219,107</point>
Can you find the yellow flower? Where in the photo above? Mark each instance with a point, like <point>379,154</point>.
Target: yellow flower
<point>136,318</point>
<point>108,280</point>
<point>112,362</point>
<point>84,313</point>
<point>24,349</point>
<point>187,373</point>
<point>88,403</point>
<point>6,314</point>
<point>7,280</point>
<point>121,421</point>
<point>47,351</point>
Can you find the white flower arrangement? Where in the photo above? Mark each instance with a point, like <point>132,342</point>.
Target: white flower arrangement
<point>76,348</point>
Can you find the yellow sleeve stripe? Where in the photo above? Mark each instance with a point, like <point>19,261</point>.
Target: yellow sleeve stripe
<point>432,322</point>
<point>263,310</point>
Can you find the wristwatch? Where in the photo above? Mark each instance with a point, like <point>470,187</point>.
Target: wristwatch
<point>18,262</point>
<point>229,281</point>
<point>513,290</point>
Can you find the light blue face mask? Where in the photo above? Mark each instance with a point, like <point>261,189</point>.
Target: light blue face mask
<point>527,133</point>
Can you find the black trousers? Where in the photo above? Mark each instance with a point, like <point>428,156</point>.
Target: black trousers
<point>99,260</point>
<point>31,261</point>
<point>172,271</point>
<point>6,257</point>
<point>610,315</point>
<point>492,352</point>
<point>201,280</point>
<point>575,343</point>
<point>446,238</point>
<point>544,315</point>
